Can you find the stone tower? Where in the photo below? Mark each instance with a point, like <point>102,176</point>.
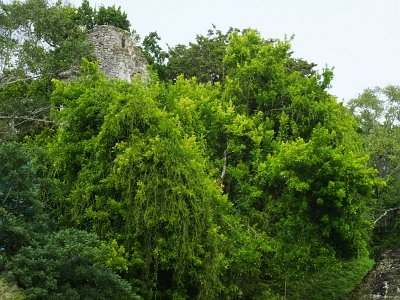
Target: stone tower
<point>117,53</point>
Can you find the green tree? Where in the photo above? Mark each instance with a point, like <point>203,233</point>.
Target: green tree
<point>43,39</point>
<point>72,264</point>
<point>131,174</point>
<point>268,104</point>
<point>294,163</point>
<point>155,55</point>
<point>40,41</point>
<point>112,16</point>
<point>23,220</point>
<point>85,15</point>
<point>377,111</point>
<point>202,59</point>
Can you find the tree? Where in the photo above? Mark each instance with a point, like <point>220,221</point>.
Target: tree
<point>288,157</point>
<point>377,111</point>
<point>72,264</point>
<point>112,16</point>
<point>156,57</point>
<point>85,15</point>
<point>41,41</point>
<point>131,174</point>
<point>202,59</point>
<point>23,221</point>
<point>294,163</point>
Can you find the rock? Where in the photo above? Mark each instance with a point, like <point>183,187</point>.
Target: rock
<point>383,281</point>
<point>117,53</point>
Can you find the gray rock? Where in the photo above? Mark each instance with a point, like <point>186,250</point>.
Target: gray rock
<point>383,281</point>
<point>117,53</point>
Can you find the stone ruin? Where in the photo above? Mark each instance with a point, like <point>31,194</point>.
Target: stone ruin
<point>117,53</point>
<point>383,281</point>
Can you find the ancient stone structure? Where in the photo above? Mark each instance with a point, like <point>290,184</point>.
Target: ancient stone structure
<point>383,281</point>
<point>117,53</point>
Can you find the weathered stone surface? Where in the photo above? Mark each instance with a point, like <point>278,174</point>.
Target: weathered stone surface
<point>117,53</point>
<point>383,281</point>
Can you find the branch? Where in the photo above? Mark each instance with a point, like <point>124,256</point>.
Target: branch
<point>6,197</point>
<point>24,119</point>
<point>223,173</point>
<point>385,213</point>
<point>12,80</point>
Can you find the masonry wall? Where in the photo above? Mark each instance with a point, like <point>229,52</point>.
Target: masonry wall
<point>117,53</point>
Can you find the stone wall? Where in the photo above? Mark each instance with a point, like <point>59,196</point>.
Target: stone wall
<point>383,281</point>
<point>117,53</point>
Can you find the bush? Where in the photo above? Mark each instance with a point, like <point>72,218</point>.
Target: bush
<point>9,291</point>
<point>71,265</point>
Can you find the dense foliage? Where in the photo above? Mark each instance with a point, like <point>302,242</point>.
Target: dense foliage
<point>228,173</point>
<point>377,111</point>
<point>40,41</point>
<point>72,264</point>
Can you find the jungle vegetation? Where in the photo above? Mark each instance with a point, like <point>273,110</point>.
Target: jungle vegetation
<point>230,173</point>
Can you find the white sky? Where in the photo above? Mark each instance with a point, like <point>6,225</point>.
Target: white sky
<point>359,38</point>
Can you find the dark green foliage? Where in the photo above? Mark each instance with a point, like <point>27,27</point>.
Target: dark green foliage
<point>85,15</point>
<point>25,108</point>
<point>112,16</point>
<point>202,59</point>
<point>155,56</point>
<point>41,41</point>
<point>72,264</point>
<point>49,40</point>
<point>22,218</point>
<point>377,111</point>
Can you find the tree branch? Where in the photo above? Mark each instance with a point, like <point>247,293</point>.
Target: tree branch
<point>6,197</point>
<point>24,119</point>
<point>223,173</point>
<point>385,213</point>
<point>15,80</point>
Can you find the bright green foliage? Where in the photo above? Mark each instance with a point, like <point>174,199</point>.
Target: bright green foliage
<point>295,169</point>
<point>260,81</point>
<point>200,111</point>
<point>294,161</point>
<point>71,265</point>
<point>321,194</point>
<point>133,175</point>
<point>9,291</point>
<point>274,105</point>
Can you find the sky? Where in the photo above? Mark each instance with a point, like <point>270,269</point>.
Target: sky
<point>360,39</point>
